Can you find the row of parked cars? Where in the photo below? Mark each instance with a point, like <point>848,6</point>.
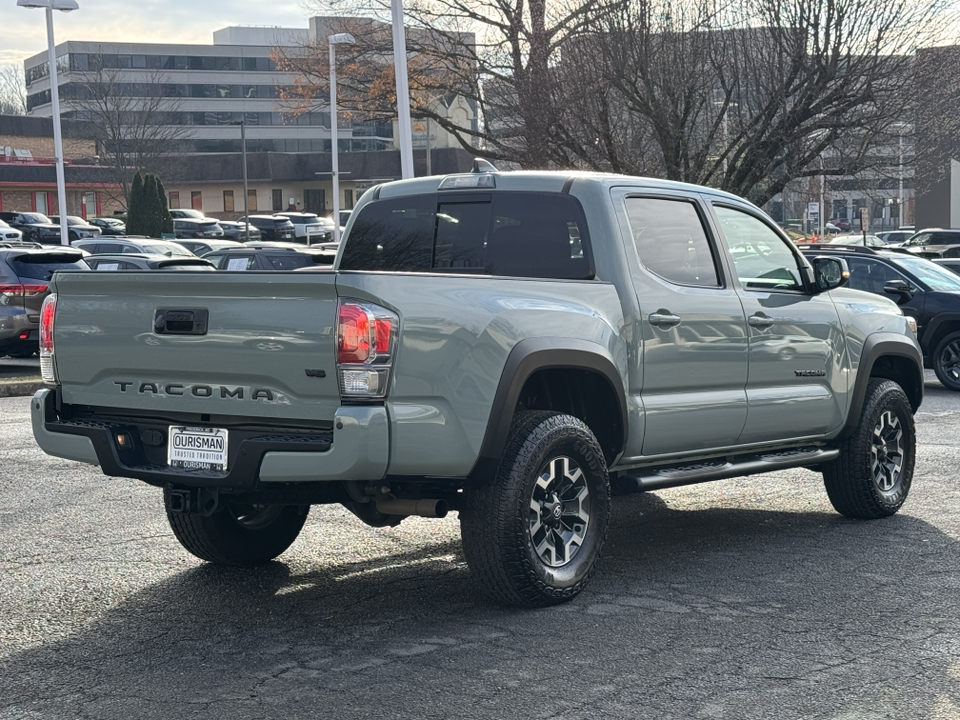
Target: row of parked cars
<point>302,227</point>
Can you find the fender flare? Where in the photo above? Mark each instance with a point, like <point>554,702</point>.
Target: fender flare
<point>876,346</point>
<point>930,331</point>
<point>526,358</point>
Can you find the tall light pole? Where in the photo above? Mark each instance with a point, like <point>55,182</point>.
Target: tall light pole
<point>403,89</point>
<point>246,191</point>
<point>50,6</point>
<point>334,40</point>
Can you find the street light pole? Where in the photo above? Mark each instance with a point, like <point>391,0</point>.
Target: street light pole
<point>246,191</point>
<point>334,40</point>
<point>49,6</point>
<point>404,127</point>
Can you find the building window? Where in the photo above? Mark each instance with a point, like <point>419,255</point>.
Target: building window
<point>196,200</point>
<point>348,199</point>
<point>228,200</point>
<point>277,199</point>
<point>174,200</point>
<point>252,200</point>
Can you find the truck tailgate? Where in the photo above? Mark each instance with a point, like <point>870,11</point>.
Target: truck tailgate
<point>268,348</point>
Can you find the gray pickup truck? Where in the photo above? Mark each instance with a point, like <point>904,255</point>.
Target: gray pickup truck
<point>516,347</point>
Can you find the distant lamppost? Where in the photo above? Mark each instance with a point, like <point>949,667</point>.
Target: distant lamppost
<point>404,127</point>
<point>334,40</point>
<point>246,191</point>
<point>50,6</point>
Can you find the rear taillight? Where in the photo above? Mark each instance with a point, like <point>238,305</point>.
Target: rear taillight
<point>47,315</point>
<point>20,291</point>
<point>366,346</point>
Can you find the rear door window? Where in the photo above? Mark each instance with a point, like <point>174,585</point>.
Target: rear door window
<point>518,234</point>
<point>43,266</point>
<point>288,261</point>
<point>238,262</point>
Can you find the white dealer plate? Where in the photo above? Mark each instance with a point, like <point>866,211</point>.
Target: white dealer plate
<point>196,447</point>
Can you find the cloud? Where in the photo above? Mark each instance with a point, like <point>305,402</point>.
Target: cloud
<point>143,21</point>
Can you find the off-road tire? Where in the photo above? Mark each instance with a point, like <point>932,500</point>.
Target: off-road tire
<point>506,542</point>
<point>872,476</point>
<point>238,534</point>
<point>946,361</point>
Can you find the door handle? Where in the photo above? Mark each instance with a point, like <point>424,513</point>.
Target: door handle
<point>664,319</point>
<point>760,321</point>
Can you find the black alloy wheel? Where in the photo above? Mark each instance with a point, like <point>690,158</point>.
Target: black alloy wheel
<point>946,361</point>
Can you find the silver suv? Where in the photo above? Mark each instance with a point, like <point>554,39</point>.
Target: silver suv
<point>146,246</point>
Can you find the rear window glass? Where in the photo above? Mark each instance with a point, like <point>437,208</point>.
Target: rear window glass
<point>43,268</point>
<point>290,261</point>
<point>520,234</point>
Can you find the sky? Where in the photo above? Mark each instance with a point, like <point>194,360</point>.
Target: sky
<point>150,21</point>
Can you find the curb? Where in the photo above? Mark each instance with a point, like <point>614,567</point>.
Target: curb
<point>20,387</point>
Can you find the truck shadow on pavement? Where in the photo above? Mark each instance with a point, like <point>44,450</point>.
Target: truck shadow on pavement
<point>716,612</point>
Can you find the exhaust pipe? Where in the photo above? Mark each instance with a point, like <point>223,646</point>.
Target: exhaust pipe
<point>421,508</point>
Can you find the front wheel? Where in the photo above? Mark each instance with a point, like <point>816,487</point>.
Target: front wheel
<point>239,533</point>
<point>872,476</point>
<point>533,535</point>
<point>946,361</point>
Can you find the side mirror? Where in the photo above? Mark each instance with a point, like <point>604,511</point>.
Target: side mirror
<point>900,288</point>
<point>830,273</point>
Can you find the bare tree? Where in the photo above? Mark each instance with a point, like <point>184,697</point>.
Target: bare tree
<point>745,97</point>
<point>499,55</point>
<point>138,125</point>
<point>13,90</point>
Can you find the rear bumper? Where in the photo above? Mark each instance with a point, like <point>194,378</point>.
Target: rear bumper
<point>356,449</point>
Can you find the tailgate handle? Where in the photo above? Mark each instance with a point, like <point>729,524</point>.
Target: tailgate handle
<point>167,321</point>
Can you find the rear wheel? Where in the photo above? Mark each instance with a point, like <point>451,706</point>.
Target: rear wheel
<point>239,533</point>
<point>946,361</point>
<point>533,535</point>
<point>872,476</point>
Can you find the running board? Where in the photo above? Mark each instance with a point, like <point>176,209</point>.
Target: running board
<point>720,469</point>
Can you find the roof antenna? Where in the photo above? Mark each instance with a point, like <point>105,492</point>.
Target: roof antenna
<point>483,166</point>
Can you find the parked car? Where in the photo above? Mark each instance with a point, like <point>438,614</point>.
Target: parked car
<point>310,227</point>
<point>25,274</point>
<point>934,242</point>
<point>137,261</point>
<point>77,227</point>
<point>202,247</point>
<point>952,264</point>
<point>924,290</point>
<point>322,254</point>
<point>841,223</point>
<point>273,227</point>
<point>237,231</point>
<point>189,213</point>
<point>262,258</point>
<point>856,239</point>
<point>196,228</point>
<point>146,246</point>
<point>9,234</point>
<point>109,226</point>
<point>895,238</point>
<point>36,227</point>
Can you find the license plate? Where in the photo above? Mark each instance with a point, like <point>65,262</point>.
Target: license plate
<point>197,448</point>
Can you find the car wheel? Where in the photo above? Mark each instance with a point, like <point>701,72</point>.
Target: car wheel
<point>533,535</point>
<point>238,533</point>
<point>946,361</point>
<point>31,237</point>
<point>872,476</point>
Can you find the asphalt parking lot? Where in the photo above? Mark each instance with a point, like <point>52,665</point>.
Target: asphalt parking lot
<point>745,598</point>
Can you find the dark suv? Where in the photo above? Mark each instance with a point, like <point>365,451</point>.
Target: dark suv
<point>273,227</point>
<point>193,228</point>
<point>25,274</point>
<point>36,227</point>
<point>923,289</point>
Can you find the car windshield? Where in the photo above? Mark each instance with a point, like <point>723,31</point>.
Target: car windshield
<point>165,249</point>
<point>191,214</point>
<point>929,273</point>
<point>111,222</point>
<point>36,218</point>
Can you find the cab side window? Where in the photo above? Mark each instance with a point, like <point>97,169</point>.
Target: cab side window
<point>671,241</point>
<point>761,258</point>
